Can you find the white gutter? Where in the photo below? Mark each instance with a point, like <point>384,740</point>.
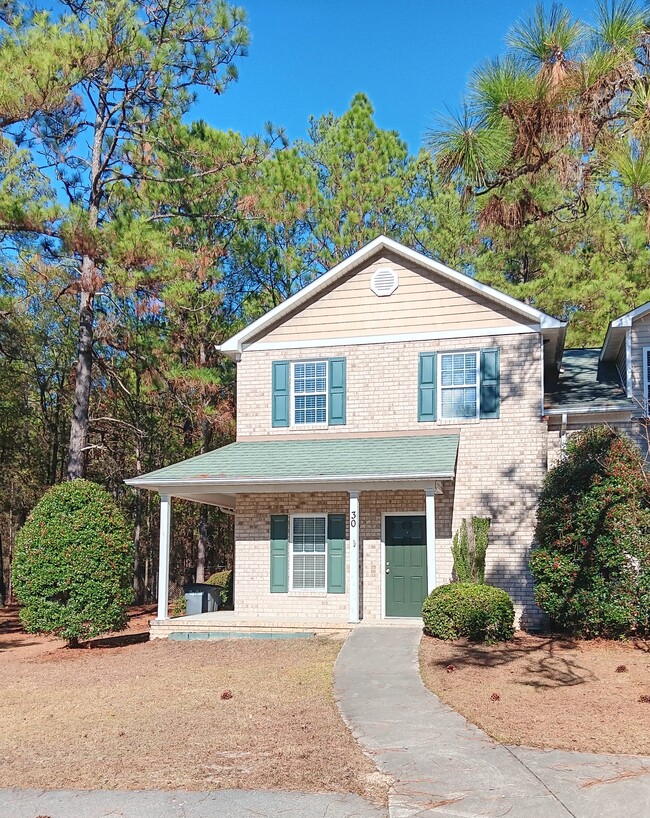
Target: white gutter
<point>589,410</point>
<point>235,482</point>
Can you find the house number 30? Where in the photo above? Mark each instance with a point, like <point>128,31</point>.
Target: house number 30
<point>353,520</point>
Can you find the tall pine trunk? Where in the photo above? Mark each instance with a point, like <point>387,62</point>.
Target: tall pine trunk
<point>81,408</point>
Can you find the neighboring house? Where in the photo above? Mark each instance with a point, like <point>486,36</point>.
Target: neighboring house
<point>378,407</point>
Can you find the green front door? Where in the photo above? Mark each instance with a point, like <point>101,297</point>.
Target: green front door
<point>406,565</point>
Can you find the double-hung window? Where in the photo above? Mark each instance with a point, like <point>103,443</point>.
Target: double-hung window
<point>459,385</point>
<point>309,553</point>
<point>310,392</point>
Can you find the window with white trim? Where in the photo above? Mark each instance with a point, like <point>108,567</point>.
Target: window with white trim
<point>310,392</point>
<point>309,552</point>
<point>459,385</point>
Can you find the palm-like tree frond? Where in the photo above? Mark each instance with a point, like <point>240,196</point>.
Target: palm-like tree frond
<point>499,85</point>
<point>471,146</point>
<point>620,25</point>
<point>547,41</point>
<point>630,162</point>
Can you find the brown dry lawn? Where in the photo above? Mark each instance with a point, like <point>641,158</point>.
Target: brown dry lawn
<point>552,692</point>
<point>145,715</point>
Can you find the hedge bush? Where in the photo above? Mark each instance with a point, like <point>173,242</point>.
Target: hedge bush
<point>223,579</point>
<point>482,613</point>
<point>592,567</point>
<point>73,563</point>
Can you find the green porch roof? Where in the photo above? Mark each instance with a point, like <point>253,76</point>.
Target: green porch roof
<point>418,456</point>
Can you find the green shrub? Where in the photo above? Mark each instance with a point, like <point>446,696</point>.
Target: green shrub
<point>224,580</point>
<point>469,549</point>
<point>178,606</point>
<point>592,567</point>
<point>73,564</point>
<point>482,613</point>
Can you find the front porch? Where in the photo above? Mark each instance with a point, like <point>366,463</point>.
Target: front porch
<point>314,552</point>
<point>231,625</point>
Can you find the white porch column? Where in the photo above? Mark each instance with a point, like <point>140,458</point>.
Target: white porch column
<point>430,507</point>
<point>163,556</point>
<point>354,556</point>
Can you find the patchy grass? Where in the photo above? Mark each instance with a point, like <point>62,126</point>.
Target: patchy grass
<point>547,691</point>
<point>158,715</point>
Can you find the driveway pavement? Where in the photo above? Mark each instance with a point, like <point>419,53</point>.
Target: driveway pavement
<point>443,766</point>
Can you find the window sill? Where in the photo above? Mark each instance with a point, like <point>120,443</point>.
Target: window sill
<point>305,592</point>
<point>457,421</point>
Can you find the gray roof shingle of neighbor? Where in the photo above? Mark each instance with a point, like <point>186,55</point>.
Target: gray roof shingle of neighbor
<point>429,455</point>
<point>586,382</point>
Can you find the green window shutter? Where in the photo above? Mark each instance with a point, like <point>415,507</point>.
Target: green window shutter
<point>336,553</point>
<point>280,397</point>
<point>336,398</point>
<point>279,553</point>
<point>427,386</point>
<point>490,383</point>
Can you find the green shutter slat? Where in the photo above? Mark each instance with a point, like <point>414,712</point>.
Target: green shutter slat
<point>427,386</point>
<point>279,553</point>
<point>336,401</point>
<point>280,396</point>
<point>336,553</point>
<point>490,383</point>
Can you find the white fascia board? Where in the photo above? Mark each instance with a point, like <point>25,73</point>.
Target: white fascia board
<point>243,482</point>
<point>622,322</point>
<point>591,410</point>
<point>610,346</point>
<point>480,332</point>
<point>234,345</point>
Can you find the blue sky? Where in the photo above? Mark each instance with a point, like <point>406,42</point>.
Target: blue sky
<point>411,57</point>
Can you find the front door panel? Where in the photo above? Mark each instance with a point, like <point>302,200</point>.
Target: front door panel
<point>406,565</point>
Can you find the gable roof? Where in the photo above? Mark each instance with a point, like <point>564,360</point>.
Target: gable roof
<point>234,346</point>
<point>617,329</point>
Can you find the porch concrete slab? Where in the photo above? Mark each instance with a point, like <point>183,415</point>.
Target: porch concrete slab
<point>443,766</point>
<point>179,804</point>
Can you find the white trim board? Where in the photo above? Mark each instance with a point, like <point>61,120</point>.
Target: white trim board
<point>233,346</point>
<point>385,514</point>
<point>353,340</point>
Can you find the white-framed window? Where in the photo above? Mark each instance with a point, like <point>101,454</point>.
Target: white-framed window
<point>308,550</point>
<point>309,392</point>
<point>646,381</point>
<point>458,383</point>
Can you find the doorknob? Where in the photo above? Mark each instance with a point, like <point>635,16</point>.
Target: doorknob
<point>388,570</point>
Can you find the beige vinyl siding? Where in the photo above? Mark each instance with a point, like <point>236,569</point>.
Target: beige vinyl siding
<point>423,302</point>
<point>640,339</point>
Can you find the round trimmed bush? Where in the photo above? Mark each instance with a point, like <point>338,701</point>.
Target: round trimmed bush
<point>482,613</point>
<point>73,563</point>
<point>592,567</point>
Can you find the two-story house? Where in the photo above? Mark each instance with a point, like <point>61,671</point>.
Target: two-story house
<point>378,407</point>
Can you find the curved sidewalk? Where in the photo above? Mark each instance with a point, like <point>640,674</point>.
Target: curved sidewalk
<point>443,766</point>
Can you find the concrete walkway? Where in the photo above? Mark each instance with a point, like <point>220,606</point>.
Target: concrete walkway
<point>443,766</point>
<point>219,804</point>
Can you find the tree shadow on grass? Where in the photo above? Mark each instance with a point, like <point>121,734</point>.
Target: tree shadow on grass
<point>121,640</point>
<point>542,662</point>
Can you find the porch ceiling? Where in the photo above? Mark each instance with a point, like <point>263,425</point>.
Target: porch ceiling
<point>307,465</point>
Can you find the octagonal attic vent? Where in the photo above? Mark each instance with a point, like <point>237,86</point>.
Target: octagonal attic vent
<point>384,281</point>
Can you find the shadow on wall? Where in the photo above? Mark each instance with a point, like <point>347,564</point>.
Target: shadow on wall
<point>509,510</point>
